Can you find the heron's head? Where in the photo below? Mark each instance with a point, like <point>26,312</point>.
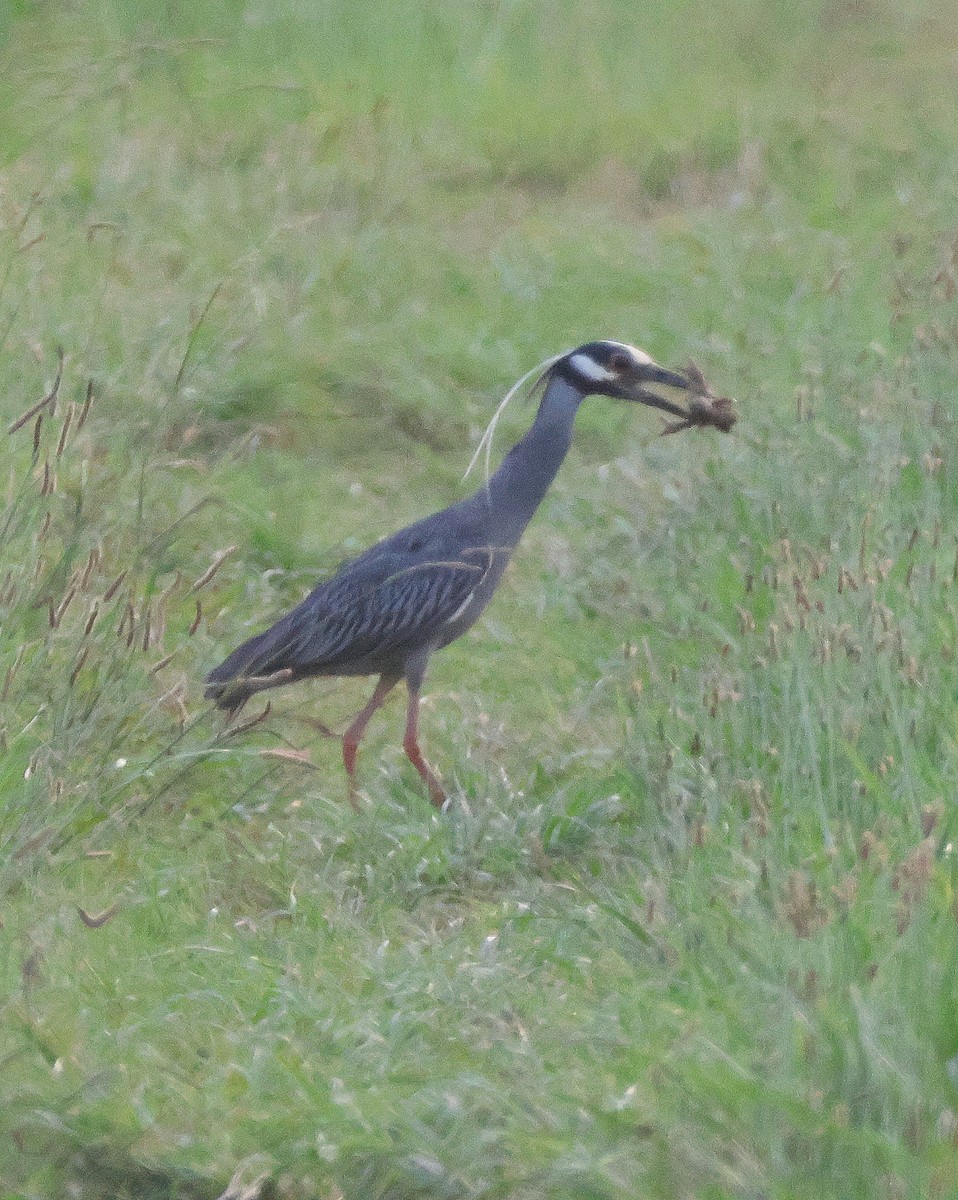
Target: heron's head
<point>621,371</point>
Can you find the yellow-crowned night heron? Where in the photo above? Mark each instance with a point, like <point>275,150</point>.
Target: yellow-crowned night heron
<point>388,610</point>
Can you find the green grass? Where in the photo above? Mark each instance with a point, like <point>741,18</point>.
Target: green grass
<point>690,929</point>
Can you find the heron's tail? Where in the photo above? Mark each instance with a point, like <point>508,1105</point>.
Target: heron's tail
<point>246,671</point>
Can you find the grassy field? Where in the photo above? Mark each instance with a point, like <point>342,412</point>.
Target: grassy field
<point>691,929</point>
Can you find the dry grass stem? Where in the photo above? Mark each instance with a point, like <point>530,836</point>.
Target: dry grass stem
<point>218,561</point>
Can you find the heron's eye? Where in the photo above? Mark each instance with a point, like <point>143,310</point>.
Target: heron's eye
<point>619,361</point>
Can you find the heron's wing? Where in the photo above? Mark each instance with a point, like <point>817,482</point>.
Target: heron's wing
<point>380,607</point>
<point>404,605</point>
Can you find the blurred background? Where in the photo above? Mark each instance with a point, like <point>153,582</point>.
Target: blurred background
<point>690,933</point>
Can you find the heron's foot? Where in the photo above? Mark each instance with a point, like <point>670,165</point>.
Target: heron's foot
<point>437,793</point>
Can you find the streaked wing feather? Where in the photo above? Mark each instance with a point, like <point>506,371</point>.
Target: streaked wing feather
<point>406,605</point>
<point>377,607</point>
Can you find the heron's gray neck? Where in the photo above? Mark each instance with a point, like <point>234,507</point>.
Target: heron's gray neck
<point>515,491</point>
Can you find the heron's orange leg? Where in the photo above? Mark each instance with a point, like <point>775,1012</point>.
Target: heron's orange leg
<point>410,744</point>
<point>353,735</point>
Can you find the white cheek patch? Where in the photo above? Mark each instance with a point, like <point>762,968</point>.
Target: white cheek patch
<point>590,368</point>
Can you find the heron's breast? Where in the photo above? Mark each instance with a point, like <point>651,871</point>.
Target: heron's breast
<point>471,608</point>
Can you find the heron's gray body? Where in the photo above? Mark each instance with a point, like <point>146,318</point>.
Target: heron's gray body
<point>413,593</point>
<point>386,612</point>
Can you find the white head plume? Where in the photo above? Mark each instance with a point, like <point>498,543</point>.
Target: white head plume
<point>485,442</point>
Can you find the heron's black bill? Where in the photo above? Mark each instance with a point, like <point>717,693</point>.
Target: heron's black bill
<point>654,400</point>
<point>704,407</point>
<point>654,374</point>
<point>667,378</point>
